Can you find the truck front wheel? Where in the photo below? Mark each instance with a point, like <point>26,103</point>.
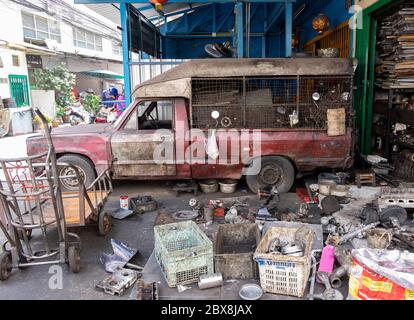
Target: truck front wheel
<point>84,167</point>
<point>273,171</point>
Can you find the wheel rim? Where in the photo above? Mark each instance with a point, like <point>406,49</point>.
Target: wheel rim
<point>271,174</point>
<point>106,224</point>
<point>71,183</point>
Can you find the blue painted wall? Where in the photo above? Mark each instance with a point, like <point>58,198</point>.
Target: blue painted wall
<point>182,36</point>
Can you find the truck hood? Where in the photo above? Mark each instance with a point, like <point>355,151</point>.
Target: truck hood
<point>82,129</point>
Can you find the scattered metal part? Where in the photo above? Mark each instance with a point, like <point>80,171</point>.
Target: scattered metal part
<point>195,204</point>
<point>210,281</point>
<point>226,122</point>
<point>121,214</point>
<point>185,215</point>
<point>293,250</point>
<point>181,288</point>
<point>186,187</point>
<point>330,205</point>
<point>143,204</point>
<point>118,282</point>
<point>402,197</point>
<point>344,259</point>
<point>251,292</point>
<point>147,291</point>
<point>329,293</point>
<point>356,232</point>
<point>313,277</point>
<point>393,216</point>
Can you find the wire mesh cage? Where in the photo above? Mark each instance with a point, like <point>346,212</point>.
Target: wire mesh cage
<point>299,102</point>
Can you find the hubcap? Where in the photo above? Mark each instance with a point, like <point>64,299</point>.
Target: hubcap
<point>271,174</point>
<point>71,183</point>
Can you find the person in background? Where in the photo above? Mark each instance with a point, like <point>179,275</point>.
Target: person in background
<point>120,106</point>
<point>110,94</point>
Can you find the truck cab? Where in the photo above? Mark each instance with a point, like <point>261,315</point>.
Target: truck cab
<point>262,119</point>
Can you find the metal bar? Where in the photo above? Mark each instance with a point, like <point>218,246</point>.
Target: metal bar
<point>125,52</point>
<point>238,8</point>
<point>274,18</point>
<point>175,1</point>
<point>288,29</point>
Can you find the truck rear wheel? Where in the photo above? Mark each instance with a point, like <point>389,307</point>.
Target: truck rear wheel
<point>85,168</point>
<point>274,171</point>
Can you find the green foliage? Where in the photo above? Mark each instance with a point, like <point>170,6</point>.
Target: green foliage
<point>92,103</point>
<point>60,111</point>
<point>58,78</point>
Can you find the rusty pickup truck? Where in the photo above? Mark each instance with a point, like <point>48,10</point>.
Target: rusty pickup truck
<point>262,119</point>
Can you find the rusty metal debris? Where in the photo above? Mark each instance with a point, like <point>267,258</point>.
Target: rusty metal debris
<point>118,282</point>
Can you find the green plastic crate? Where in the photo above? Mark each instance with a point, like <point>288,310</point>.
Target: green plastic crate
<point>183,252</point>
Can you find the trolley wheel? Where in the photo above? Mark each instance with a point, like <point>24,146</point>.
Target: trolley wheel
<point>5,265</point>
<point>28,233</point>
<point>104,223</point>
<point>74,259</point>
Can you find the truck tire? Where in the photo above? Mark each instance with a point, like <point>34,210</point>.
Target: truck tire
<point>85,169</point>
<point>274,171</point>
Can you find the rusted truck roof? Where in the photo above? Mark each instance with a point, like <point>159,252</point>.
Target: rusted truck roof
<point>177,81</point>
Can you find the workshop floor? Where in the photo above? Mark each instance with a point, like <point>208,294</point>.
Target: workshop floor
<point>137,231</point>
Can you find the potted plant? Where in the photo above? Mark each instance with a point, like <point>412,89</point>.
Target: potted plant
<point>92,104</point>
<point>38,124</point>
<point>61,114</point>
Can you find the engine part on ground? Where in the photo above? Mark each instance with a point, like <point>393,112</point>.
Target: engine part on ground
<point>326,187</point>
<point>142,204</point>
<point>393,216</point>
<point>303,210</point>
<point>402,197</point>
<point>118,282</point>
<point>208,214</point>
<point>356,233</point>
<point>379,238</point>
<point>121,214</point>
<point>195,204</point>
<point>369,214</point>
<point>251,292</point>
<point>210,281</point>
<point>329,293</point>
<point>185,215</point>
<point>186,186</point>
<point>340,191</point>
<point>146,291</point>
<point>330,205</point>
<point>313,276</point>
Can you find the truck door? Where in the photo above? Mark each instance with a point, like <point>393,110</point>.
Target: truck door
<point>144,144</point>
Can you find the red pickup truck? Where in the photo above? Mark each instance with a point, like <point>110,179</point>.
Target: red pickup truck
<point>265,119</point>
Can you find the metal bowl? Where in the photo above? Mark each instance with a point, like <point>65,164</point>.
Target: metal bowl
<point>228,186</point>
<point>251,292</point>
<point>209,186</point>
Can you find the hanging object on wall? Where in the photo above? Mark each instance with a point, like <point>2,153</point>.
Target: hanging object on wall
<point>295,41</point>
<point>321,23</point>
<point>158,4</point>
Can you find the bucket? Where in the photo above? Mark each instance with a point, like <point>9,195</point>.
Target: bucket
<point>209,186</point>
<point>228,186</point>
<point>379,238</point>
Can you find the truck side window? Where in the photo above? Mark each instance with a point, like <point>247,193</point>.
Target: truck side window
<point>132,122</point>
<point>156,115</point>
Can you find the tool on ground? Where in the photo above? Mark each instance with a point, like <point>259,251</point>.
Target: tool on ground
<point>329,293</point>
<point>118,282</point>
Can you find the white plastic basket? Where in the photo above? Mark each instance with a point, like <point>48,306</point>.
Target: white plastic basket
<point>183,252</point>
<point>281,274</point>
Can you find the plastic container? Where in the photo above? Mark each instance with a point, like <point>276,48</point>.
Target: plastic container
<point>280,274</point>
<point>183,251</point>
<point>234,250</point>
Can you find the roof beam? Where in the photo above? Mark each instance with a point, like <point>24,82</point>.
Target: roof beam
<point>178,1</point>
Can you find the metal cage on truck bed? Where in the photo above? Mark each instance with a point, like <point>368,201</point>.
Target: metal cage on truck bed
<point>258,93</point>
<point>269,102</point>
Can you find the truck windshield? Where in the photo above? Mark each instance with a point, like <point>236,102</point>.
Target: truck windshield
<point>123,115</point>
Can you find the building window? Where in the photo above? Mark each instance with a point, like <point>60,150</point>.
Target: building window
<point>116,48</point>
<point>16,60</point>
<point>87,40</point>
<point>39,28</point>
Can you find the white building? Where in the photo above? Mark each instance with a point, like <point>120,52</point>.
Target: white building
<point>45,33</point>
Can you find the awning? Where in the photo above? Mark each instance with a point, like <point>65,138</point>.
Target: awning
<point>104,74</point>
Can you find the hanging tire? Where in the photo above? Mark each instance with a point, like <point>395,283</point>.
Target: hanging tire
<point>5,265</point>
<point>85,168</point>
<point>104,223</point>
<point>74,259</point>
<point>273,172</point>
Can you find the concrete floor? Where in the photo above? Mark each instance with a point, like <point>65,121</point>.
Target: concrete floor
<point>137,231</point>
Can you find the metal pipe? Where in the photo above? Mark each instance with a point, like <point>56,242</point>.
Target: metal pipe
<point>356,232</point>
<point>210,281</point>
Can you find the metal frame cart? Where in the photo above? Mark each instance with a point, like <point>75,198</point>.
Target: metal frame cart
<point>32,184</point>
